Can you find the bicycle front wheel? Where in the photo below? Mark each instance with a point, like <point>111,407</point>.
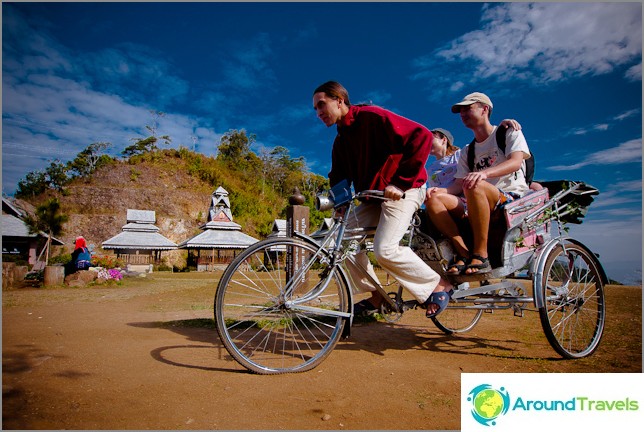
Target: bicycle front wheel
<point>574,309</point>
<point>281,307</point>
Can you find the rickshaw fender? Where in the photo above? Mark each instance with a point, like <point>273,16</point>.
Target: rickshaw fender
<point>540,264</point>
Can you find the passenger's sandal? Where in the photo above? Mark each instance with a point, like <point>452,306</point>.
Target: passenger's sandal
<point>483,267</point>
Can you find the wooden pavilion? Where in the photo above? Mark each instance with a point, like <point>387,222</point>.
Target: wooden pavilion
<point>221,238</point>
<point>140,244</point>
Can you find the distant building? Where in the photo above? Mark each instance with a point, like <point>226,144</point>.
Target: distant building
<point>140,244</point>
<point>221,238</point>
<point>17,243</point>
<point>279,228</point>
<point>327,224</point>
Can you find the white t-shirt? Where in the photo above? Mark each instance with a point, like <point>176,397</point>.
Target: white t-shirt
<point>488,154</point>
<point>441,172</point>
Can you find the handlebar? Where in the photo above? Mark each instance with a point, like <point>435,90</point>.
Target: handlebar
<point>323,202</point>
<point>370,193</point>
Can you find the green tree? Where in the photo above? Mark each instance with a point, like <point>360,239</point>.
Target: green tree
<point>234,146</point>
<point>34,183</point>
<point>90,159</point>
<point>57,177</point>
<point>281,170</point>
<point>47,219</point>
<point>149,144</point>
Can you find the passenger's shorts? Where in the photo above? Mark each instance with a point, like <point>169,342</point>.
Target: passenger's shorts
<point>505,198</point>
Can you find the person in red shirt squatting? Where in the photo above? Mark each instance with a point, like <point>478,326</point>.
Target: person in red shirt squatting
<point>379,150</point>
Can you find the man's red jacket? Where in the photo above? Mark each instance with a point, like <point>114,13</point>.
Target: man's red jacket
<point>375,148</point>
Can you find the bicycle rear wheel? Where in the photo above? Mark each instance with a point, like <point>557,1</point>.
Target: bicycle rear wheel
<point>266,315</point>
<point>574,309</point>
<point>456,319</point>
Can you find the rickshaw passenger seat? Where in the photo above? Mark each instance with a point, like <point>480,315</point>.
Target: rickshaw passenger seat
<point>500,220</point>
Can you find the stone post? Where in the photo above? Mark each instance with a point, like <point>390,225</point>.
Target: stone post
<point>8,275</point>
<point>297,220</point>
<point>54,275</point>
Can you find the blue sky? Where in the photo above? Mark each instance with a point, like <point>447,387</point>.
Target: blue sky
<point>571,73</point>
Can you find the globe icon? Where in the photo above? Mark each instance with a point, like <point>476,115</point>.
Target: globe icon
<point>489,404</point>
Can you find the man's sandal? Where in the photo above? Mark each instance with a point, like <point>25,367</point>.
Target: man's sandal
<point>459,267</point>
<point>483,267</point>
<point>438,298</point>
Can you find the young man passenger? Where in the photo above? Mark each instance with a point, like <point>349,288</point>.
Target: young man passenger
<point>497,178</point>
<point>376,149</point>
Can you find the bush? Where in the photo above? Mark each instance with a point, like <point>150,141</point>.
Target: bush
<point>181,269</point>
<point>60,259</point>
<point>163,267</point>
<point>37,276</point>
<point>107,261</point>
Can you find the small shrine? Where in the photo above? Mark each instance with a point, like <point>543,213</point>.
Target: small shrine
<point>140,244</point>
<point>221,239</point>
<point>279,228</point>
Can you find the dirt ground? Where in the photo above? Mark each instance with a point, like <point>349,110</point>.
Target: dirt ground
<point>143,355</point>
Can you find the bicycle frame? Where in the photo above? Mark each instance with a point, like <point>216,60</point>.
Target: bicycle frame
<point>337,235</point>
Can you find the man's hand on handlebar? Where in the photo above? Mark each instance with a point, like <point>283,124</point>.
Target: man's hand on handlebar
<point>393,193</point>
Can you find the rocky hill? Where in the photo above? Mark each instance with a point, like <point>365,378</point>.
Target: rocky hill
<point>176,185</point>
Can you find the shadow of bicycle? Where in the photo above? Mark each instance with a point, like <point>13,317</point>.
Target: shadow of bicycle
<point>375,337</point>
<point>378,338</point>
<point>205,353</point>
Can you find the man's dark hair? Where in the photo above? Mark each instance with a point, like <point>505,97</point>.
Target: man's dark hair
<point>334,90</point>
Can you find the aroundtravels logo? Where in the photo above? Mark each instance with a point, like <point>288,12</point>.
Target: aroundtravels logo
<point>488,403</point>
<point>506,402</point>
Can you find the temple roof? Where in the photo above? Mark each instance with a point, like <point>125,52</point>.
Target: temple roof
<point>221,225</point>
<point>139,233</point>
<point>219,232</point>
<point>139,240</point>
<point>141,216</point>
<point>219,239</point>
<point>15,227</point>
<point>143,227</point>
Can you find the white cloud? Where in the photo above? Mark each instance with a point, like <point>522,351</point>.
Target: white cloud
<point>603,236</point>
<point>612,122</point>
<point>607,199</point>
<point>378,97</point>
<point>541,43</point>
<point>248,66</point>
<point>627,114</point>
<point>134,72</point>
<point>634,73</point>
<point>56,103</point>
<point>628,152</point>
<point>630,186</point>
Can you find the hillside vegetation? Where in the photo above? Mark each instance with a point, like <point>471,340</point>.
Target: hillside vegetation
<point>177,184</point>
